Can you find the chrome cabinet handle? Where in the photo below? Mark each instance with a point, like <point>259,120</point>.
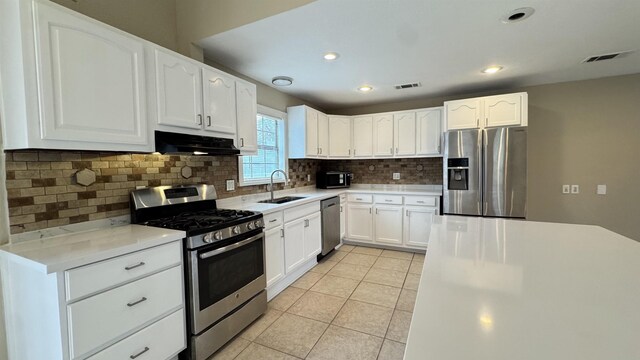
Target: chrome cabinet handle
<point>478,122</point>
<point>199,119</point>
<point>340,208</point>
<point>391,151</point>
<point>387,200</point>
<point>274,220</point>
<point>306,222</point>
<point>420,202</point>
<point>354,152</point>
<point>407,212</point>
<point>208,120</point>
<point>396,150</point>
<point>359,199</point>
<point>132,304</point>
<point>376,211</point>
<point>349,152</point>
<point>140,353</point>
<point>486,122</point>
<point>369,210</point>
<point>320,151</point>
<point>241,142</point>
<point>282,233</point>
<point>131,267</point>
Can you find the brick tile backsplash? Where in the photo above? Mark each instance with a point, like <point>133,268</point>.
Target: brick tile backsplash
<point>42,190</point>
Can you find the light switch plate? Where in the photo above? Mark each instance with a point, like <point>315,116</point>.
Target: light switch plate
<point>601,190</point>
<point>575,189</point>
<point>566,189</point>
<point>396,176</point>
<point>231,185</point>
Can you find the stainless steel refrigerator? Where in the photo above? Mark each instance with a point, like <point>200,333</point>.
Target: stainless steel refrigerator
<point>485,172</point>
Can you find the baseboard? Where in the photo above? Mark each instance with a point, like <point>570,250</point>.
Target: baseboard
<point>384,246</point>
<point>278,287</point>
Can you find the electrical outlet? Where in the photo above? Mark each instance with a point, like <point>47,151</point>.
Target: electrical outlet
<point>308,177</point>
<point>231,185</point>
<point>396,176</point>
<point>575,189</point>
<point>601,190</point>
<point>566,189</point>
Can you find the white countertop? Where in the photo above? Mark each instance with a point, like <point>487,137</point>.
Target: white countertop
<point>495,289</point>
<point>67,251</point>
<point>311,194</point>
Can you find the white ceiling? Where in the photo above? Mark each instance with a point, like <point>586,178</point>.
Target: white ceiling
<point>441,43</point>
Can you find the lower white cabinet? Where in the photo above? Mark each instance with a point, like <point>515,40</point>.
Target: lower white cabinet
<point>343,216</point>
<point>274,258</point>
<point>417,225</point>
<point>388,223</point>
<point>294,254</point>
<point>312,236</point>
<point>360,222</point>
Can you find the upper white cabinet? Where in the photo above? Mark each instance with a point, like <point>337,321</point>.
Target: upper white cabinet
<point>429,131</point>
<point>70,82</point>
<point>339,136</point>
<point>362,137</point>
<point>219,98</point>
<point>246,114</point>
<point>383,135</point>
<point>476,113</point>
<point>308,133</point>
<point>323,135</point>
<point>178,91</point>
<point>404,128</point>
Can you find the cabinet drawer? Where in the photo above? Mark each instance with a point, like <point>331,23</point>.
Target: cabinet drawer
<point>388,199</point>
<point>343,198</point>
<point>95,277</point>
<point>160,340</point>
<point>361,198</point>
<point>421,200</point>
<point>273,220</point>
<point>300,211</point>
<point>99,319</point>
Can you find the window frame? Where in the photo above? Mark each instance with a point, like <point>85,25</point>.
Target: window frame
<point>282,141</point>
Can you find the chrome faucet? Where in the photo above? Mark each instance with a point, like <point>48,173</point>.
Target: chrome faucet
<point>286,180</point>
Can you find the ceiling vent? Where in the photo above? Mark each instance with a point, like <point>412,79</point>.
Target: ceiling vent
<point>606,56</point>
<point>407,86</point>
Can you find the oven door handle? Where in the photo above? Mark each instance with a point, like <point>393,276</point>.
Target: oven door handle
<point>230,247</point>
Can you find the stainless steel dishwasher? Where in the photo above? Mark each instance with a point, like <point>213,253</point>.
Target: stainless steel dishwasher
<point>330,224</point>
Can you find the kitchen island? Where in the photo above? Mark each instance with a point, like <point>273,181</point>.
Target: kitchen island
<point>507,289</point>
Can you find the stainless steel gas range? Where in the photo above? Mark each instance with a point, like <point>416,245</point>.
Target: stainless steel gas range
<point>224,256</point>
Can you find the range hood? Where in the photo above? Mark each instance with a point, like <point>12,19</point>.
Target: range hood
<point>173,143</point>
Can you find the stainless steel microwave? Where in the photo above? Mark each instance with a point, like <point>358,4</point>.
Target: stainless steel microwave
<point>333,179</point>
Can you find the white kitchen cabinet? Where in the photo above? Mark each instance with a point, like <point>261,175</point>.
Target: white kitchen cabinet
<point>405,133</point>
<point>362,136</point>
<point>246,115</point>
<point>383,135</point>
<point>312,236</point>
<point>178,91</point>
<point>417,225</point>
<point>489,111</point>
<point>294,254</point>
<point>360,222</point>
<point>504,110</point>
<point>219,99</point>
<point>323,135</point>
<point>69,81</point>
<point>343,216</point>
<point>308,133</point>
<point>429,131</point>
<point>311,133</point>
<point>388,224</point>
<point>339,137</point>
<point>274,255</point>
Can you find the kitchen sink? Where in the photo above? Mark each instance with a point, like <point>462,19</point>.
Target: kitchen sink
<point>282,200</point>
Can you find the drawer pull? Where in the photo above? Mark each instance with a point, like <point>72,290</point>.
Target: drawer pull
<point>274,220</point>
<point>140,353</point>
<point>132,304</point>
<point>131,267</point>
<point>420,202</point>
<point>360,199</point>
<point>387,200</point>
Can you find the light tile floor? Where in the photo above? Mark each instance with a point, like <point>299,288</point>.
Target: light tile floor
<point>355,304</point>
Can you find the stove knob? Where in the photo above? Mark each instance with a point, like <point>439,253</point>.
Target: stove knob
<point>251,225</point>
<point>258,223</point>
<point>236,230</point>
<point>217,235</point>
<point>208,238</point>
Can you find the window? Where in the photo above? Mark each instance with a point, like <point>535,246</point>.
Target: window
<point>257,169</point>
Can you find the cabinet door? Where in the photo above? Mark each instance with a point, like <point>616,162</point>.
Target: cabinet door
<point>503,110</point>
<point>311,116</point>
<point>360,226</point>
<point>323,134</point>
<point>274,254</point>
<point>219,97</point>
<point>405,133</point>
<point>343,220</point>
<point>463,114</point>
<point>247,117</point>
<point>294,254</point>
<point>388,220</point>
<point>363,136</point>
<point>178,91</point>
<point>312,236</point>
<point>417,225</point>
<point>92,80</point>
<point>383,135</point>
<point>339,136</point>
<point>428,132</point>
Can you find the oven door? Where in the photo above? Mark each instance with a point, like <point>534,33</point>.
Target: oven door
<point>224,276</point>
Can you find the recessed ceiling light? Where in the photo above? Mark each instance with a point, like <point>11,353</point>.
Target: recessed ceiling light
<point>331,56</point>
<point>517,15</point>
<point>365,88</point>
<point>282,81</point>
<point>492,69</point>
